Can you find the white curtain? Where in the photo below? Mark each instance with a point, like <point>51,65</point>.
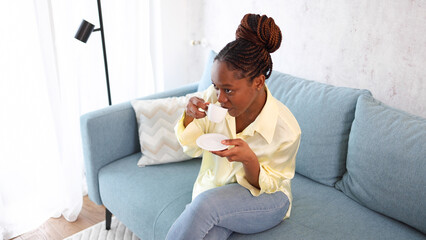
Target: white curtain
<point>48,80</point>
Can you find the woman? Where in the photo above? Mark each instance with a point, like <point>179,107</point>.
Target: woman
<point>245,188</point>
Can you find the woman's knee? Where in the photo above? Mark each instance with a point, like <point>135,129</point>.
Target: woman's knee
<point>203,204</point>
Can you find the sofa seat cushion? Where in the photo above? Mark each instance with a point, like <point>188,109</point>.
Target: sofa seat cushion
<point>147,200</point>
<point>325,114</point>
<point>322,212</point>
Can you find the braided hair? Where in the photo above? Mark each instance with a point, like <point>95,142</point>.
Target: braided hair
<point>250,53</point>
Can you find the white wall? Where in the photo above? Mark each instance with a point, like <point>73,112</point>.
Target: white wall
<point>150,40</point>
<point>378,45</point>
<point>182,21</point>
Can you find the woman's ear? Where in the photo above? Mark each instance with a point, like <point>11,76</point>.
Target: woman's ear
<point>259,82</point>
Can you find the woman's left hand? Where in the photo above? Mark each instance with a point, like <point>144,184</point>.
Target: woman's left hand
<point>241,152</point>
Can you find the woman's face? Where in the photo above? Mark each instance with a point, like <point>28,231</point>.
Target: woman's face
<point>236,95</point>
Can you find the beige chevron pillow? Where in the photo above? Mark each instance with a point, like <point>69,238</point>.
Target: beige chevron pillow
<point>156,121</point>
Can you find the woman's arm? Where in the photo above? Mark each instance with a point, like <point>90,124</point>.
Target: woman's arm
<point>241,152</point>
<point>252,171</point>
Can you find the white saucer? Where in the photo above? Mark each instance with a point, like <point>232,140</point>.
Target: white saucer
<point>211,142</point>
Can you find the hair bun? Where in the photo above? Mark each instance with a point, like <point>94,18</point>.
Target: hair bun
<point>260,30</point>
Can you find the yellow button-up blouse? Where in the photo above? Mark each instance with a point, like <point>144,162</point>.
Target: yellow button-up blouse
<point>274,137</point>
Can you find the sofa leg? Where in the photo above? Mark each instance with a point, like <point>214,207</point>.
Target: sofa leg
<point>108,216</point>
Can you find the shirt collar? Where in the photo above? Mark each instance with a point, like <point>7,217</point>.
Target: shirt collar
<point>266,121</point>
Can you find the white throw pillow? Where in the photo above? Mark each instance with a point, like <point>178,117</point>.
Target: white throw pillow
<point>156,121</point>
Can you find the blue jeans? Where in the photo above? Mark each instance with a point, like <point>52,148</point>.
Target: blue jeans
<point>217,213</point>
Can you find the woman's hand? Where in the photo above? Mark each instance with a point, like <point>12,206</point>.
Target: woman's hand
<point>192,109</point>
<point>241,152</point>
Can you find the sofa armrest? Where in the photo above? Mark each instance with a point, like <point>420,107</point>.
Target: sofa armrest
<point>111,133</point>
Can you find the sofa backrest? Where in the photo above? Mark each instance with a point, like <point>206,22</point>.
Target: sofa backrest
<point>325,114</point>
<point>387,162</point>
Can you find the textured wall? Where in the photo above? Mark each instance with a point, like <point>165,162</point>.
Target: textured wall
<point>378,45</point>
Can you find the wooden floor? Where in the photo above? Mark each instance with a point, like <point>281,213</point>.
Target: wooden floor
<point>59,228</point>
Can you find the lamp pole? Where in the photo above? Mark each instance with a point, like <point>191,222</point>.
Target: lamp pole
<point>83,34</point>
<point>104,49</point>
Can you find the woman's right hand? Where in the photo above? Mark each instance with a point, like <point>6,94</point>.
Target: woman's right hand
<point>193,109</point>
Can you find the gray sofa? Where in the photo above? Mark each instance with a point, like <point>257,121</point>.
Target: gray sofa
<point>360,169</point>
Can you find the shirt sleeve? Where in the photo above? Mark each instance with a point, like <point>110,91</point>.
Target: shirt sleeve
<point>276,169</point>
<point>187,136</point>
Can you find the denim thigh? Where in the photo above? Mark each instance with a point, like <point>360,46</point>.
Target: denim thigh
<point>231,207</point>
<point>238,210</point>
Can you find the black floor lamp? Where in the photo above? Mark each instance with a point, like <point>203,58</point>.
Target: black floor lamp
<point>83,34</point>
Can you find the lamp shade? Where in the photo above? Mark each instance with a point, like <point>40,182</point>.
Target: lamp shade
<point>84,31</point>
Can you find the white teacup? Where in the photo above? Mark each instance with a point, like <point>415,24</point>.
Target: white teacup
<point>216,113</point>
